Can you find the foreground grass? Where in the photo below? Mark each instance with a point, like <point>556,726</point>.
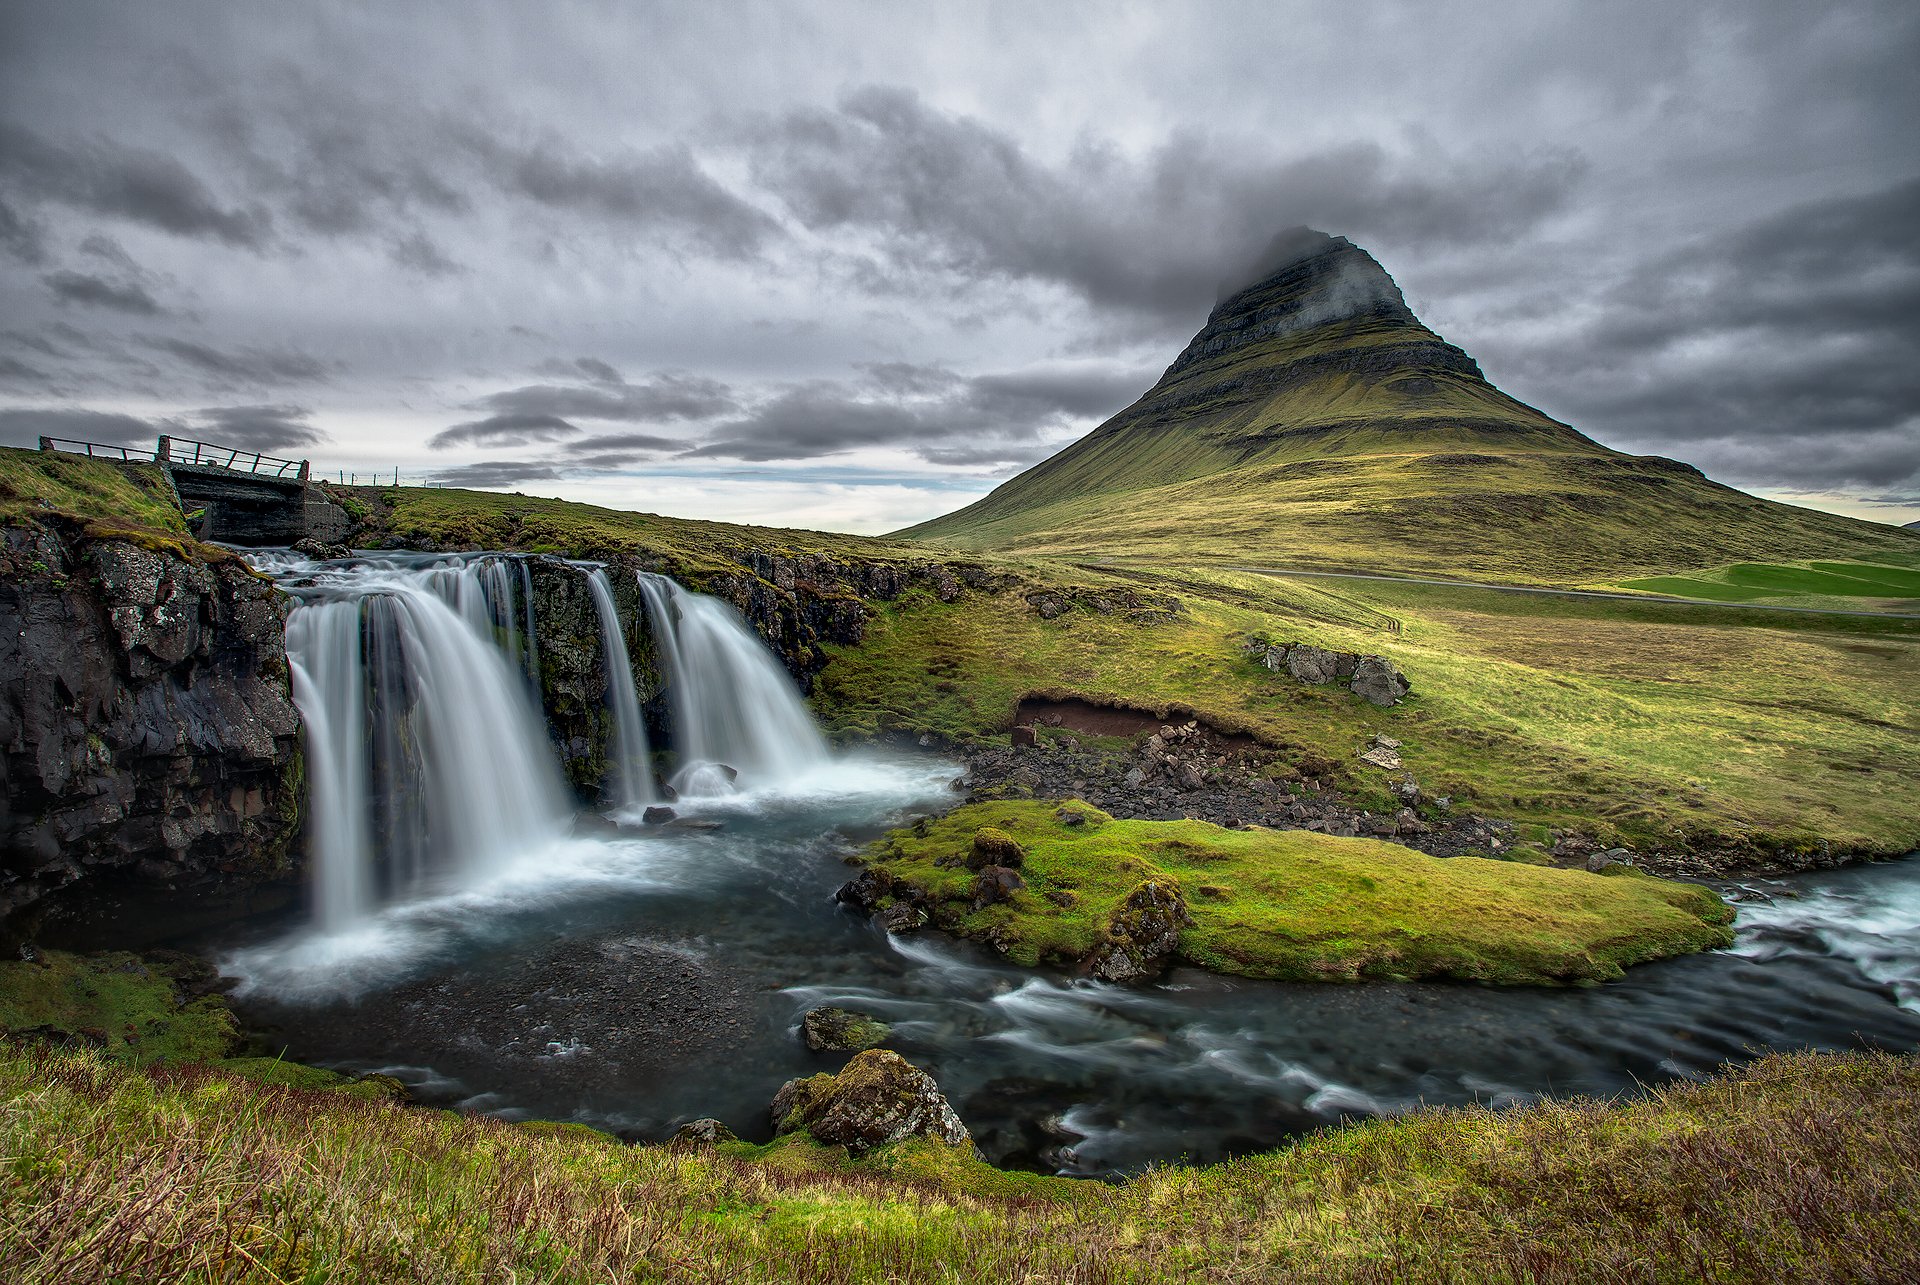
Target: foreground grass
<point>1799,1167</point>
<point>1299,906</point>
<point>133,502</point>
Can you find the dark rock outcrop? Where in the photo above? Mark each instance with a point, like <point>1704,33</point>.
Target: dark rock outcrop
<point>1142,934</point>
<point>573,664</point>
<point>147,729</point>
<point>878,1099</point>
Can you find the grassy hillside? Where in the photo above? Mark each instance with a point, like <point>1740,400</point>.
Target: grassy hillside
<point>1315,422</point>
<point>108,501</point>
<point>1795,1168</point>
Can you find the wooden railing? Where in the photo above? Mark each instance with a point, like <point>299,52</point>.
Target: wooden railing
<point>187,451</point>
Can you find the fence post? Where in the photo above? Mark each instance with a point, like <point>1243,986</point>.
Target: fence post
<point>304,474</point>
<point>163,452</point>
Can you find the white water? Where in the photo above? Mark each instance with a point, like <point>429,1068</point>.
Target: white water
<point>429,758</point>
<point>628,750</point>
<point>733,705</point>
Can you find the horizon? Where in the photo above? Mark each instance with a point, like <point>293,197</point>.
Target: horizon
<point>717,266</point>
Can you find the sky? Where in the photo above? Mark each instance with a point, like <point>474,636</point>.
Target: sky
<point>849,265</point>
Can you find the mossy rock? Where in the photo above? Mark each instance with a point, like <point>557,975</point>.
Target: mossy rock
<point>993,846</point>
<point>839,1030</point>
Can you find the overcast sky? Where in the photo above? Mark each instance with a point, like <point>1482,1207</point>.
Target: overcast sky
<point>847,265</point>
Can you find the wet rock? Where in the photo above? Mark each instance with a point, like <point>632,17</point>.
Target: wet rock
<point>865,889</point>
<point>902,917</point>
<point>993,846</point>
<point>658,815</point>
<point>1142,934</point>
<point>321,549</point>
<point>698,1135</point>
<point>840,1030</point>
<point>878,1099</point>
<point>1378,682</point>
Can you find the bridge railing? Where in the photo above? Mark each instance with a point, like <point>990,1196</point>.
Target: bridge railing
<point>185,450</point>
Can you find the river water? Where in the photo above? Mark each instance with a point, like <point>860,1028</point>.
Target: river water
<point>634,977</point>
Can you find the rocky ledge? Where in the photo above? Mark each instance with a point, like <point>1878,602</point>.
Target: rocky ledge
<point>147,728</point>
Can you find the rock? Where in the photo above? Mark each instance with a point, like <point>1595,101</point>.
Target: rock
<point>1381,757</point>
<point>1312,665</point>
<point>879,1098</point>
<point>697,1135</point>
<point>1135,778</point>
<point>1378,682</point>
<point>1383,826</point>
<point>1407,821</point>
<point>995,884</point>
<point>701,824</point>
<point>321,550</point>
<point>1611,857</point>
<point>1070,816</point>
<point>865,889</point>
<point>995,847</point>
<point>902,917</point>
<point>1190,777</point>
<point>1385,742</point>
<point>839,1030</point>
<point>658,815</point>
<point>1023,737</point>
<point>1141,935</point>
<point>1050,606</point>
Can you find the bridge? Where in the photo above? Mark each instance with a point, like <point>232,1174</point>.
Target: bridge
<point>230,494</point>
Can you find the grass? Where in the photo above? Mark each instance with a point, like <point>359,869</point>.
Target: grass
<point>1841,585</point>
<point>1798,1167</point>
<point>106,501</point>
<point>1651,724</point>
<point>1298,906</point>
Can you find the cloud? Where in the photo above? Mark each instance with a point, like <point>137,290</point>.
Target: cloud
<point>494,473</point>
<point>1780,353</point>
<point>259,428</point>
<point>245,365</point>
<point>664,188</point>
<point>930,411</point>
<point>106,178</point>
<point>1157,234</point>
<point>503,430</point>
<point>81,288</point>
<point>21,238</point>
<point>418,252</point>
<point>664,397</point>
<point>25,425</point>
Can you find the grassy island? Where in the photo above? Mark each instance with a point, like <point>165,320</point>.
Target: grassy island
<point>1289,905</point>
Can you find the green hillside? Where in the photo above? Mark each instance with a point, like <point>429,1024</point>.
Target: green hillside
<point>1315,422</point>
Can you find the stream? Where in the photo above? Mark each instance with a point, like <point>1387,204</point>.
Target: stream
<point>589,967</point>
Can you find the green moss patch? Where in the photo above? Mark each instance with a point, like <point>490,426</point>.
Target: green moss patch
<point>129,1008</point>
<point>1295,905</point>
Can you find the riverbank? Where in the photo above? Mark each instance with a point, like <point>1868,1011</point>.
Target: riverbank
<point>1794,1168</point>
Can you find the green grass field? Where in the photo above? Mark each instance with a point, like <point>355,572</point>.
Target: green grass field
<point>1838,585</point>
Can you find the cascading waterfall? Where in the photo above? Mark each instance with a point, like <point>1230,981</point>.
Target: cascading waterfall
<point>631,773</point>
<point>428,755</point>
<point>733,705</point>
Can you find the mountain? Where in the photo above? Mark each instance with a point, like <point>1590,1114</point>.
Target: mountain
<point>1314,421</point>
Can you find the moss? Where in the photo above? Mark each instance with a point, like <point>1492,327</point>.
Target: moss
<point>133,1009</point>
<point>1301,906</point>
<point>296,1075</point>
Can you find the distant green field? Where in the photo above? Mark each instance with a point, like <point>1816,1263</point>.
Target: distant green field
<point>1757,581</point>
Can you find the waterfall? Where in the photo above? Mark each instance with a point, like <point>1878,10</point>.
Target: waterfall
<point>631,773</point>
<point>733,705</point>
<point>427,753</point>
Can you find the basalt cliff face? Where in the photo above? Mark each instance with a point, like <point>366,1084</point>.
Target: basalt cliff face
<point>147,733</point>
<point>1314,420</point>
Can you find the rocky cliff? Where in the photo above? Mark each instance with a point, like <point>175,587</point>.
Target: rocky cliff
<point>147,731</point>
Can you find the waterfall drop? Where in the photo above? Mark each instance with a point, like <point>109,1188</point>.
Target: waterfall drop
<point>733,704</point>
<point>630,772</point>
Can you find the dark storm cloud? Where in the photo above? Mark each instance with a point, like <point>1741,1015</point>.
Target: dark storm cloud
<point>493,473</point>
<point>593,368</point>
<point>947,419</point>
<point>21,238</point>
<point>83,288</point>
<point>625,442</point>
<point>103,177</point>
<point>503,430</point>
<point>418,252</point>
<point>664,397</point>
<point>24,426</point>
<point>244,365</point>
<point>258,428</point>
<point>15,371</point>
<point>665,187</point>
<point>1159,235</point>
<point>1781,353</point>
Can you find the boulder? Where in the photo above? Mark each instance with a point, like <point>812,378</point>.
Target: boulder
<point>1377,681</point>
<point>995,884</point>
<point>1023,737</point>
<point>696,1135</point>
<point>1312,665</point>
<point>321,550</point>
<point>879,1098</point>
<point>902,917</point>
<point>839,1030</point>
<point>1611,857</point>
<point>1141,935</point>
<point>1381,757</point>
<point>658,815</point>
<point>995,847</point>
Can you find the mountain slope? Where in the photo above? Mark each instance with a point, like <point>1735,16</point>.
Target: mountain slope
<point>1316,421</point>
